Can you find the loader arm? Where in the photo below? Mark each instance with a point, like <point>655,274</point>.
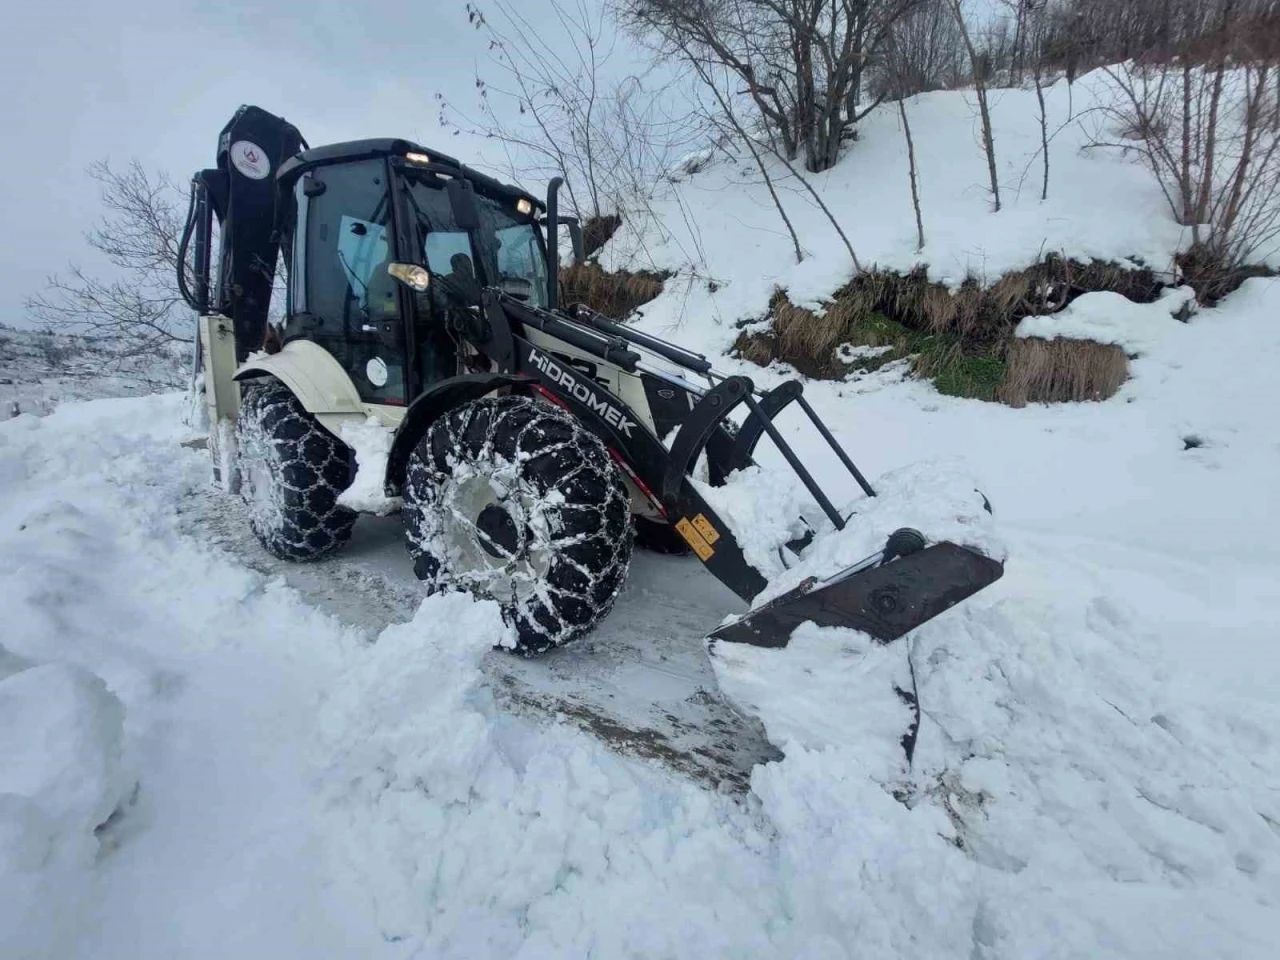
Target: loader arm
<point>887,594</point>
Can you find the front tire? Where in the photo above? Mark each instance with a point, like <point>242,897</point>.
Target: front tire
<point>511,499</point>
<point>291,471</point>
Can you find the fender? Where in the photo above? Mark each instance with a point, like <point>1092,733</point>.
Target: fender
<point>312,373</point>
<point>429,406</point>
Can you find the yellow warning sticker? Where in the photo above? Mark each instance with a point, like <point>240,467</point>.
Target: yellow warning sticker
<point>695,539</point>
<point>704,527</point>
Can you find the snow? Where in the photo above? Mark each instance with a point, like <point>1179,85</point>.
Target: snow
<point>1105,317</point>
<point>721,234</point>
<point>371,442</point>
<point>1084,757</point>
<point>60,736</point>
<point>198,761</point>
<point>762,506</point>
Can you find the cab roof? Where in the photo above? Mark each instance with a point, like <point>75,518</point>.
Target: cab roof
<point>353,150</point>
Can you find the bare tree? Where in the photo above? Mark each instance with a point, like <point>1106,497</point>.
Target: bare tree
<point>801,62</point>
<point>981,65</point>
<point>559,104</point>
<point>1035,28</point>
<point>713,77</point>
<point>727,114</point>
<point>1202,127</point>
<point>899,71</point>
<point>136,311</point>
<point>927,52</point>
<point>1086,33</point>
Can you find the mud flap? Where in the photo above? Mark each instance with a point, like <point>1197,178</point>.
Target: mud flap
<point>885,600</point>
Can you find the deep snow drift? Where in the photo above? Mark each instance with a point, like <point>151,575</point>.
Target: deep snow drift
<point>1098,771</point>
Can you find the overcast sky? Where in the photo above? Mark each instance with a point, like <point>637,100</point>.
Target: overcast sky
<point>157,80</point>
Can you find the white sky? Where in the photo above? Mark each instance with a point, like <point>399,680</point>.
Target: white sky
<point>157,80</point>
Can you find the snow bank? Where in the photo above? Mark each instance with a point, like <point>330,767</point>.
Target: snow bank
<point>471,834</point>
<point>1111,318</point>
<point>60,778</point>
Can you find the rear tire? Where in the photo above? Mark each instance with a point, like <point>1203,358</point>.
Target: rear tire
<point>511,499</point>
<point>291,471</point>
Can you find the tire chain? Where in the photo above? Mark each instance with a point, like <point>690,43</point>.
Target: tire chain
<point>291,473</point>
<point>579,493</point>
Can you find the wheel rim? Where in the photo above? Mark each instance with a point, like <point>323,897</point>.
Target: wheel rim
<point>497,533</point>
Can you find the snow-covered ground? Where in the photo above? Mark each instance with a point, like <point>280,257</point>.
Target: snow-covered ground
<point>1098,771</point>
<point>206,755</point>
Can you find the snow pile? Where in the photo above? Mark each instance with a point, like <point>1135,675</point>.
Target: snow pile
<point>371,441</point>
<point>828,686</point>
<point>762,506</point>
<point>61,777</point>
<point>765,510</point>
<point>1174,820</point>
<point>471,834</point>
<point>1105,317</point>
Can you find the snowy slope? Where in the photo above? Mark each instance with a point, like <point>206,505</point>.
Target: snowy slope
<point>1098,771</point>
<point>720,232</point>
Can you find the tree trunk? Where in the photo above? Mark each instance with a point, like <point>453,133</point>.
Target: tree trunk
<point>911,166</point>
<point>1044,128</point>
<point>980,84</point>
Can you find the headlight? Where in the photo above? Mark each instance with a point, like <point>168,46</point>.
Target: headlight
<point>524,206</point>
<point>418,158</point>
<point>411,275</point>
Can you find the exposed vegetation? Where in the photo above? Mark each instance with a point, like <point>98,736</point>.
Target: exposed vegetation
<point>1050,371</point>
<point>962,340</point>
<point>615,294</point>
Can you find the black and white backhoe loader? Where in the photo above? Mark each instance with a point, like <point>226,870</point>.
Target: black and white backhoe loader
<point>423,294</point>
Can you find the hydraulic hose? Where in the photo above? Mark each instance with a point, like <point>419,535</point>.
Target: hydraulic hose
<point>187,230</point>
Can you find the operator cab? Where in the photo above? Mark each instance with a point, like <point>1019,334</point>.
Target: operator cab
<point>355,209</point>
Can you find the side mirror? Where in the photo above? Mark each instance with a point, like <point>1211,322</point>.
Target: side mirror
<point>462,200</point>
<point>517,287</point>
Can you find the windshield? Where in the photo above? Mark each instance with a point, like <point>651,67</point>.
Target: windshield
<point>506,244</point>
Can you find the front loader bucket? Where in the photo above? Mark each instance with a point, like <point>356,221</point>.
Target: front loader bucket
<point>886,595</point>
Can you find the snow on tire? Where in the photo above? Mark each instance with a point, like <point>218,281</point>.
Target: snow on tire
<point>510,498</point>
<point>291,472</point>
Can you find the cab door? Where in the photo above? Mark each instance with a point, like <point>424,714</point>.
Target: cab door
<point>342,297</point>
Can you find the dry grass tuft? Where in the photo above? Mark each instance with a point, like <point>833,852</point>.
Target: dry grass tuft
<point>613,294</point>
<point>1048,371</point>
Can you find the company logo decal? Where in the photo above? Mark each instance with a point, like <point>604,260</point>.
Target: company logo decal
<point>250,159</point>
<point>582,393</point>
